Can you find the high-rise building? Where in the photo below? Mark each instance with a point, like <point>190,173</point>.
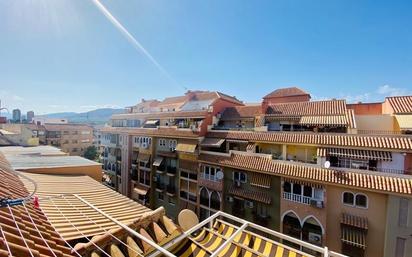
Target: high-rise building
<point>16,116</point>
<point>30,116</point>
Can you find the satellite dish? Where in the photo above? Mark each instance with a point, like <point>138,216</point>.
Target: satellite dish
<point>327,164</point>
<point>219,175</point>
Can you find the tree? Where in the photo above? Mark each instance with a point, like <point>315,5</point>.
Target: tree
<point>90,153</point>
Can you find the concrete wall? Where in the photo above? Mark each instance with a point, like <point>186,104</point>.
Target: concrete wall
<point>394,231</point>
<point>376,214</point>
<point>366,108</point>
<point>375,122</point>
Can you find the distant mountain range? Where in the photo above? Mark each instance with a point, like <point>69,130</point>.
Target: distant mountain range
<point>98,116</point>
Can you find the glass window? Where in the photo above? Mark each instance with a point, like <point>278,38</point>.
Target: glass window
<point>297,189</point>
<point>361,201</point>
<point>160,196</point>
<point>348,198</point>
<point>287,187</point>
<point>307,191</point>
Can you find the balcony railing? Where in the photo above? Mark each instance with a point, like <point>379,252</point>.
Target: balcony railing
<point>188,196</point>
<point>297,198</point>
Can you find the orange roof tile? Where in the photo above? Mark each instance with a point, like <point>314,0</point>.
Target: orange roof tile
<point>401,104</point>
<point>161,115</point>
<point>398,142</point>
<point>264,164</point>
<point>327,107</point>
<point>285,92</point>
<point>164,132</point>
<point>36,231</point>
<point>239,112</point>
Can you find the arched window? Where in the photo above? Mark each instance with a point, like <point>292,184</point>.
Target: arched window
<point>204,197</point>
<point>361,200</point>
<point>215,200</point>
<point>312,231</point>
<point>291,225</point>
<point>348,198</point>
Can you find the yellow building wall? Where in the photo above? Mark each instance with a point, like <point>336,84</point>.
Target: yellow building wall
<point>93,171</point>
<point>375,122</point>
<point>376,214</point>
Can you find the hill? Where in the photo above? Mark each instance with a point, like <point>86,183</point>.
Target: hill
<point>98,116</point>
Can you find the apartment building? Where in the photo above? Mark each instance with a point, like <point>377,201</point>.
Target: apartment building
<point>70,138</point>
<point>326,172</point>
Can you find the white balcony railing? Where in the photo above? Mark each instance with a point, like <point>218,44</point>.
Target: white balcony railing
<point>297,198</point>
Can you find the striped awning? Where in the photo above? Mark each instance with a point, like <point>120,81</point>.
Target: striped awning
<point>281,118</point>
<point>334,120</point>
<point>251,147</point>
<point>158,161</point>
<point>321,152</point>
<point>353,236</point>
<point>250,195</point>
<point>212,142</point>
<point>354,221</point>
<point>260,180</point>
<point>350,116</point>
<point>259,121</point>
<point>301,182</point>
<point>140,191</point>
<point>359,154</point>
<point>404,121</point>
<point>186,148</point>
<point>143,157</point>
<point>236,141</point>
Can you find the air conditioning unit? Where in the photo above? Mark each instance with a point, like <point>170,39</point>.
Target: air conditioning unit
<point>230,199</point>
<point>173,149</point>
<point>316,203</point>
<point>249,204</point>
<point>144,145</point>
<point>314,238</point>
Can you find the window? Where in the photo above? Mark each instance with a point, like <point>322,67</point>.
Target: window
<point>400,247</point>
<point>355,200</point>
<point>172,144</point>
<point>172,201</point>
<point>348,198</point>
<point>403,212</point>
<point>361,201</point>
<point>307,191</point>
<point>160,196</point>
<point>287,187</point>
<point>209,172</point>
<point>239,176</point>
<point>162,142</point>
<point>297,189</point>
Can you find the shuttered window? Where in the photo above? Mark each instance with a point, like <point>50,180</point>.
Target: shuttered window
<point>403,212</point>
<point>400,247</point>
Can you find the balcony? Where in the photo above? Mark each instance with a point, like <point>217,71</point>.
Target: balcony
<point>211,182</point>
<point>160,187</point>
<point>171,190</point>
<point>188,196</point>
<point>303,200</point>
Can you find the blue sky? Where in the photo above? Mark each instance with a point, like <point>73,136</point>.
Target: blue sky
<point>64,55</point>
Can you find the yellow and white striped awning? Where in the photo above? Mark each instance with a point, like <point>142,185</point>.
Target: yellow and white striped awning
<point>251,147</point>
<point>251,195</point>
<point>186,148</point>
<point>260,180</point>
<point>332,120</point>
<point>360,154</point>
<point>353,236</point>
<point>404,121</point>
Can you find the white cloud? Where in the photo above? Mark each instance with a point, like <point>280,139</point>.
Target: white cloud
<point>388,90</point>
<point>99,106</point>
<point>17,98</point>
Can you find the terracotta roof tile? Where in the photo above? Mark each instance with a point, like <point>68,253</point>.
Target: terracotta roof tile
<point>401,104</point>
<point>161,131</point>
<point>403,143</point>
<point>327,107</point>
<point>30,220</point>
<point>239,112</point>
<point>285,92</point>
<point>264,164</point>
<point>161,115</point>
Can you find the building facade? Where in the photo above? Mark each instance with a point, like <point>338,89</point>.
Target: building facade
<point>327,172</point>
<point>16,116</point>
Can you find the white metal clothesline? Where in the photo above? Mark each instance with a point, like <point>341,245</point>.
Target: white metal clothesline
<point>18,229</point>
<point>107,231</point>
<point>78,230</point>
<point>5,241</point>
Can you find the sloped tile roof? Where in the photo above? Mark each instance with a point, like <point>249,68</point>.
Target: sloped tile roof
<point>264,164</point>
<point>164,132</point>
<point>401,104</point>
<point>285,92</point>
<point>327,107</point>
<point>160,115</point>
<point>403,143</point>
<point>239,112</point>
<point>36,231</point>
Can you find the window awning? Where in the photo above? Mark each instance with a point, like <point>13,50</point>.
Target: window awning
<point>251,147</point>
<point>143,157</point>
<point>251,195</point>
<point>404,121</point>
<point>158,161</point>
<point>353,236</point>
<point>140,191</point>
<point>185,147</point>
<point>152,122</point>
<point>237,141</point>
<point>332,120</point>
<point>260,180</point>
<point>305,183</point>
<point>321,152</point>
<point>360,154</point>
<point>212,142</point>
<point>354,221</point>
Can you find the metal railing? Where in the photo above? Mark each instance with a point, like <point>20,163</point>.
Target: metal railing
<point>297,198</point>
